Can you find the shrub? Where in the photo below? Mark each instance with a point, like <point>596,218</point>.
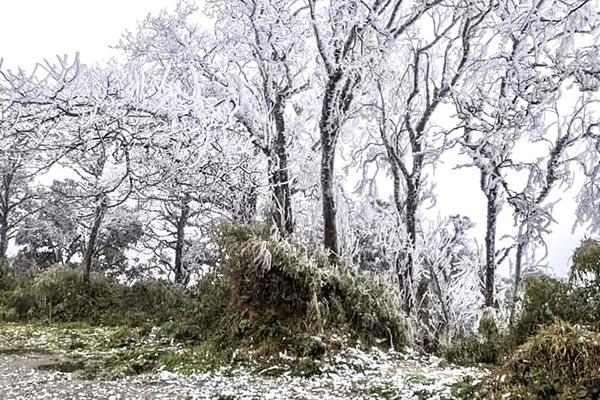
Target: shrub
<point>576,300</point>
<point>62,294</point>
<point>7,279</point>
<point>22,302</point>
<point>560,362</point>
<point>15,300</point>
<point>547,298</point>
<point>157,301</point>
<point>214,310</point>
<point>487,347</point>
<point>586,263</point>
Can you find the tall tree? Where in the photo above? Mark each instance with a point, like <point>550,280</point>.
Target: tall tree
<point>406,106</point>
<point>267,50</point>
<point>105,125</point>
<point>508,93</point>
<point>252,69</point>
<point>349,36</point>
<point>533,211</point>
<point>27,119</point>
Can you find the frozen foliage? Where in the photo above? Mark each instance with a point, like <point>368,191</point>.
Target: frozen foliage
<point>276,110</point>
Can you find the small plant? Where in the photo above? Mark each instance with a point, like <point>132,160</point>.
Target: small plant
<point>487,347</point>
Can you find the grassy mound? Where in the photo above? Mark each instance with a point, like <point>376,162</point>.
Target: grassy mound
<point>280,280</point>
<point>561,362</point>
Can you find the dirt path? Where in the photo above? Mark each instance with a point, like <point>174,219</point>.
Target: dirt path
<point>21,378</point>
<point>26,351</point>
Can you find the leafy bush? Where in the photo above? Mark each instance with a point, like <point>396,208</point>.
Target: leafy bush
<point>62,294</point>
<point>157,301</point>
<point>547,299</point>
<point>560,362</point>
<point>6,276</point>
<point>586,264</point>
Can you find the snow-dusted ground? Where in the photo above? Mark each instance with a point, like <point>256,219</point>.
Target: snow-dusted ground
<point>352,375</point>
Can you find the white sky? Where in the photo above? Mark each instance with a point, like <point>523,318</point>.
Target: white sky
<point>31,30</point>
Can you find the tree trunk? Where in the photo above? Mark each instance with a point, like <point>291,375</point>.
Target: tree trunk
<point>412,204</point>
<point>3,235</point>
<point>336,103</point>
<point>4,211</point>
<point>94,232</point>
<point>280,180</point>
<point>523,237</point>
<point>409,208</point>
<point>330,239</point>
<point>490,244</point>
<point>399,209</point>
<point>518,273</point>
<point>329,126</point>
<point>181,224</point>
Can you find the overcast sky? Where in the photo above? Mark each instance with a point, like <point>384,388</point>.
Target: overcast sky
<point>31,30</point>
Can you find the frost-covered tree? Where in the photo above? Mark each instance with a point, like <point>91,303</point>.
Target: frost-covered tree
<point>27,120</point>
<point>104,126</point>
<point>506,93</point>
<point>196,180</point>
<point>351,35</point>
<point>204,165</point>
<point>265,44</point>
<point>55,235</point>
<point>586,71</point>
<point>449,285</point>
<point>588,198</point>
<point>51,235</point>
<point>406,101</point>
<point>250,69</point>
<point>554,169</point>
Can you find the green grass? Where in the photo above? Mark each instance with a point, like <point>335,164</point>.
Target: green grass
<point>110,352</point>
<point>107,352</point>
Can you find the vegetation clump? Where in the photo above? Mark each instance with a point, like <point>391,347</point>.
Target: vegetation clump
<point>62,294</point>
<point>546,299</point>
<point>487,347</point>
<point>276,278</point>
<point>576,300</point>
<point>560,362</point>
<point>586,263</point>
